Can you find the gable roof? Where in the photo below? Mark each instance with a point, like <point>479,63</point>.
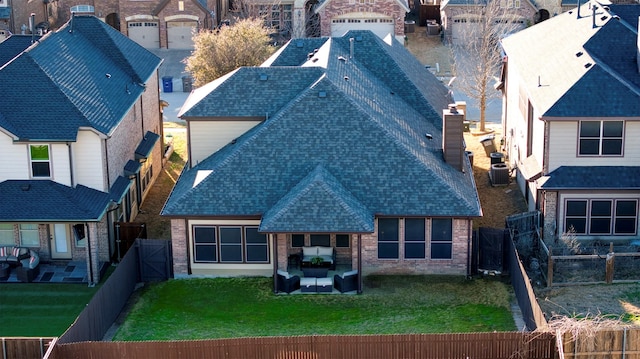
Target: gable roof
<point>595,63</point>
<point>345,143</point>
<point>49,201</point>
<point>594,178</point>
<point>86,74</point>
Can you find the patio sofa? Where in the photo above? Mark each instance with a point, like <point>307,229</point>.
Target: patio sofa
<point>25,260</point>
<point>328,255</point>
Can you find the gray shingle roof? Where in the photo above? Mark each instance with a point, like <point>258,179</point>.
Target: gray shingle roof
<point>369,141</point>
<point>594,72</point>
<point>85,74</point>
<point>320,200</point>
<point>14,45</point>
<point>594,177</point>
<point>48,201</point>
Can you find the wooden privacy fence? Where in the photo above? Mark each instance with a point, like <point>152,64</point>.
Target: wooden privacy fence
<point>24,348</point>
<point>602,344</point>
<point>498,345</point>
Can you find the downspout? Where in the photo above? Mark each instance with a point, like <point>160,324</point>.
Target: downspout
<point>186,236</point>
<point>359,263</point>
<point>469,242</point>
<point>91,283</point>
<point>141,117</point>
<point>275,263</point>
<point>73,182</point>
<point>106,159</point>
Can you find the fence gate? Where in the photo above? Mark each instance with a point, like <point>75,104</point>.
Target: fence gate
<point>492,248</point>
<point>126,235</point>
<point>155,258</point>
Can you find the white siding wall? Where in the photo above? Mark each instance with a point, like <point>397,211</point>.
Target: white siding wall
<point>14,163</point>
<point>61,164</point>
<point>205,138</point>
<point>88,161</point>
<point>563,147</point>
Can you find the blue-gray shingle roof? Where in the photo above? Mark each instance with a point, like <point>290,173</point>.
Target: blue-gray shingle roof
<point>146,145</point>
<point>86,74</point>
<point>319,203</point>
<point>594,178</point>
<point>119,189</point>
<point>595,73</point>
<point>48,201</point>
<point>356,128</point>
<point>14,45</point>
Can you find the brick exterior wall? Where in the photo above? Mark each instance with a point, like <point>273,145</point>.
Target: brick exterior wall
<point>180,249</point>
<point>342,7</point>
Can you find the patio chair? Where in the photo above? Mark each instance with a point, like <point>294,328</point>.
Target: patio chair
<point>346,282</point>
<point>286,282</point>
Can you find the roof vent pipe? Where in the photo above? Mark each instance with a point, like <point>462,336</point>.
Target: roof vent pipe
<point>351,47</point>
<point>594,8</point>
<point>579,4</point>
<point>32,27</point>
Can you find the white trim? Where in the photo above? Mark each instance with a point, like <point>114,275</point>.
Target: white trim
<point>181,17</point>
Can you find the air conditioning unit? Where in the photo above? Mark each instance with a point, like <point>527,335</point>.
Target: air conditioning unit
<point>499,174</point>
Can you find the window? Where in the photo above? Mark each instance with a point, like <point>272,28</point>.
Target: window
<point>414,238</point>
<point>79,234</point>
<point>6,234</point>
<point>441,238</point>
<point>342,240</point>
<point>146,174</point>
<point>230,244</point>
<point>29,235</point>
<point>601,138</point>
<point>297,240</point>
<point>256,244</point>
<point>388,243</point>
<point>323,240</point>
<point>601,217</point>
<point>40,163</point>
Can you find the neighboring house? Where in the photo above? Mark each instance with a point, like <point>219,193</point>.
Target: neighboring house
<point>462,19</point>
<point>382,17</point>
<point>333,142</point>
<point>572,120</point>
<point>151,23</point>
<point>79,132</point>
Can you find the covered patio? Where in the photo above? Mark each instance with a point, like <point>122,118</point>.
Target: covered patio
<point>71,272</point>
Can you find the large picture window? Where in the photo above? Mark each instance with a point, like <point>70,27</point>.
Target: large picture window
<point>601,138</point>
<point>441,238</point>
<point>388,241</point>
<point>414,238</point>
<point>297,240</point>
<point>601,216</point>
<point>40,161</point>
<point>229,244</point>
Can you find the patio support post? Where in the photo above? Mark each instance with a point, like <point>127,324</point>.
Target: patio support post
<point>359,263</point>
<point>273,240</point>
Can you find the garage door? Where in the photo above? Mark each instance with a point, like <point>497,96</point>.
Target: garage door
<point>379,26</point>
<point>180,33</point>
<point>144,33</point>
<point>464,30</point>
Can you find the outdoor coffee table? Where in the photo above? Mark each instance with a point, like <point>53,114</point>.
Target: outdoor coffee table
<point>4,270</point>
<point>308,285</point>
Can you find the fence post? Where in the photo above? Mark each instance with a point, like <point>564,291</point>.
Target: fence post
<point>550,268</point>
<point>609,267</point>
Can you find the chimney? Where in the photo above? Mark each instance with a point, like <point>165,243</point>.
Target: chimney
<point>452,138</point>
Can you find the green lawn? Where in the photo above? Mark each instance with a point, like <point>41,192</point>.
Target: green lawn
<point>41,310</point>
<point>241,307</point>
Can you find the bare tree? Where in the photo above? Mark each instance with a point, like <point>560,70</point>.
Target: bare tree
<point>243,43</point>
<point>477,56</point>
